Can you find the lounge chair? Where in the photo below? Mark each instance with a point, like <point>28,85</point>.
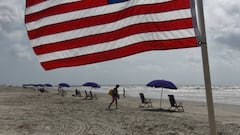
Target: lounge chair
<point>41,90</point>
<point>145,102</point>
<point>62,92</point>
<point>174,104</point>
<point>87,95</point>
<point>77,93</point>
<point>92,95</point>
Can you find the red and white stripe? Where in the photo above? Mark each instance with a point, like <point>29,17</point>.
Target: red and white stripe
<point>67,33</point>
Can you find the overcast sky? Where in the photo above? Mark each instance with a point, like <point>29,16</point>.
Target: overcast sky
<point>18,63</point>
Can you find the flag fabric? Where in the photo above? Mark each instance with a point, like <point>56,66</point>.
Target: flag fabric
<point>66,33</point>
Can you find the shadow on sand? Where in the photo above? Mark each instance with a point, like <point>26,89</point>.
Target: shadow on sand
<point>158,110</point>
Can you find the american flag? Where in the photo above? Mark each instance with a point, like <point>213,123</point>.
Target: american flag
<point>66,33</point>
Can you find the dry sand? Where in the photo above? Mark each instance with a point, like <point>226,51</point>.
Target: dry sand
<point>28,112</point>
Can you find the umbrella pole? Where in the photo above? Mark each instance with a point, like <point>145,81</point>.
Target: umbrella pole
<point>161,99</point>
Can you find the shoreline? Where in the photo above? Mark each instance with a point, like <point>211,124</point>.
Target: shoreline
<point>26,111</point>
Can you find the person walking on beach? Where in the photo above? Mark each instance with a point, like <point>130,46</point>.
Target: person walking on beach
<point>115,96</point>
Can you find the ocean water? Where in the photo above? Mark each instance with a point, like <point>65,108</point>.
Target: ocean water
<point>221,94</point>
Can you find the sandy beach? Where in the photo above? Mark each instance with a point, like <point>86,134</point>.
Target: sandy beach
<point>29,112</point>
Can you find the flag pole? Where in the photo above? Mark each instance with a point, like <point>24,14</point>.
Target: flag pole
<point>208,88</point>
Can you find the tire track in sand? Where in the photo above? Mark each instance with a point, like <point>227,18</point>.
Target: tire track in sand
<point>63,126</point>
<point>73,126</point>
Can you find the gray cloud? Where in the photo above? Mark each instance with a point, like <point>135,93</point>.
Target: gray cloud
<point>231,40</point>
<point>13,36</point>
<point>223,23</point>
<point>8,16</point>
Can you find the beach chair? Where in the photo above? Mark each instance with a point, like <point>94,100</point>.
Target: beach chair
<point>92,95</point>
<point>41,90</point>
<point>174,104</point>
<point>61,92</point>
<point>77,93</point>
<point>145,102</point>
<point>87,95</point>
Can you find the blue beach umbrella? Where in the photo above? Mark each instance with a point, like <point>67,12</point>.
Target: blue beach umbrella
<point>48,85</point>
<point>63,85</point>
<point>39,85</point>
<point>91,84</point>
<point>162,84</point>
